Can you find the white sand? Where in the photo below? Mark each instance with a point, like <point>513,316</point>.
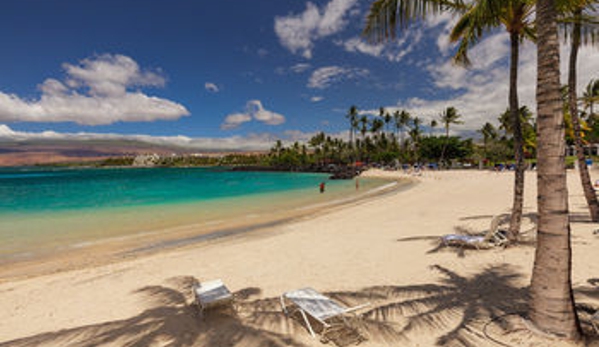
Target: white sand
<point>383,251</point>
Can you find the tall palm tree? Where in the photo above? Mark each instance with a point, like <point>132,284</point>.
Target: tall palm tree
<point>477,16</point>
<point>448,117</point>
<point>364,121</point>
<point>387,118</point>
<point>404,118</point>
<point>415,134</point>
<point>575,20</point>
<point>352,116</point>
<point>552,303</point>
<point>515,17</point>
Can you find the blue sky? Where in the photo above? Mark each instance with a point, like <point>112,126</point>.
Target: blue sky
<point>235,74</point>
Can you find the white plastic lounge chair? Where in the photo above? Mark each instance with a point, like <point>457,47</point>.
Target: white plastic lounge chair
<point>211,294</point>
<point>493,237</point>
<point>311,303</point>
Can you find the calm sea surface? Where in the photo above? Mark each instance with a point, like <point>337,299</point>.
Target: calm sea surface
<point>47,211</point>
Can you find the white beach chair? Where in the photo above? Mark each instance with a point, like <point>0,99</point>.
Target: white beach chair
<point>311,303</point>
<point>211,294</point>
<point>493,237</point>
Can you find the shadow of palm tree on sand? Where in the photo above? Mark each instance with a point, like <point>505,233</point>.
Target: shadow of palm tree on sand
<point>171,321</point>
<point>460,310</point>
<point>459,306</point>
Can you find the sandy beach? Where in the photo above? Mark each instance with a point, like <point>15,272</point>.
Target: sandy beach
<point>384,250</point>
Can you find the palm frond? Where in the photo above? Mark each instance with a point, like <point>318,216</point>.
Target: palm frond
<point>465,32</point>
<point>588,24</point>
<point>386,16</point>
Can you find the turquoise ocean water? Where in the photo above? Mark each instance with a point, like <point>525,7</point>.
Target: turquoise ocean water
<point>48,211</point>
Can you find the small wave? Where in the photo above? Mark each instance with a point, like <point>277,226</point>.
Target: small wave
<point>348,199</point>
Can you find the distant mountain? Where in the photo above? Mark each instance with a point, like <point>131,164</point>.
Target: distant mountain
<point>49,151</point>
<point>29,148</point>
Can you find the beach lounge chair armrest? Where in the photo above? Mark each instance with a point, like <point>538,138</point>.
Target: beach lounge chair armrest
<point>356,308</point>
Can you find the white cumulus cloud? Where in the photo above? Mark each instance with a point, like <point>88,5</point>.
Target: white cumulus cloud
<point>254,110</point>
<point>393,51</point>
<point>234,120</point>
<point>95,91</point>
<point>297,32</point>
<point>324,77</point>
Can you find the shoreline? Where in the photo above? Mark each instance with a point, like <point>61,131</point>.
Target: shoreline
<point>122,248</point>
<point>383,250</point>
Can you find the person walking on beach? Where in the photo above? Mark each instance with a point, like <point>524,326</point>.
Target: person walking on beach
<point>357,183</point>
<point>321,187</point>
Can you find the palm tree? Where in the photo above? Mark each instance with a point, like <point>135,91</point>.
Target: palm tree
<point>388,118</point>
<point>552,303</point>
<point>376,126</point>
<point>449,116</point>
<point>528,128</point>
<point>575,31</point>
<point>402,121</point>
<point>515,16</point>
<point>415,134</point>
<point>277,149</point>
<point>363,125</point>
<point>433,125</point>
<point>352,116</point>
<point>489,133</point>
<point>477,17</point>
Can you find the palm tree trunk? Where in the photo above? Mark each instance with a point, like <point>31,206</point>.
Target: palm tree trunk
<point>552,303</point>
<point>518,201</point>
<point>585,178</point>
<point>442,159</point>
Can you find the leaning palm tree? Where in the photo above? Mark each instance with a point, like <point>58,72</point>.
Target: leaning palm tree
<point>448,117</point>
<point>574,21</point>
<point>516,17</point>
<point>552,303</point>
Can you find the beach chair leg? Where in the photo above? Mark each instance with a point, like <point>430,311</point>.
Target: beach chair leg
<point>283,307</point>
<point>307,323</point>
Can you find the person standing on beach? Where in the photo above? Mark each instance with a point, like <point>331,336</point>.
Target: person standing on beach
<point>321,187</point>
<point>357,183</point>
